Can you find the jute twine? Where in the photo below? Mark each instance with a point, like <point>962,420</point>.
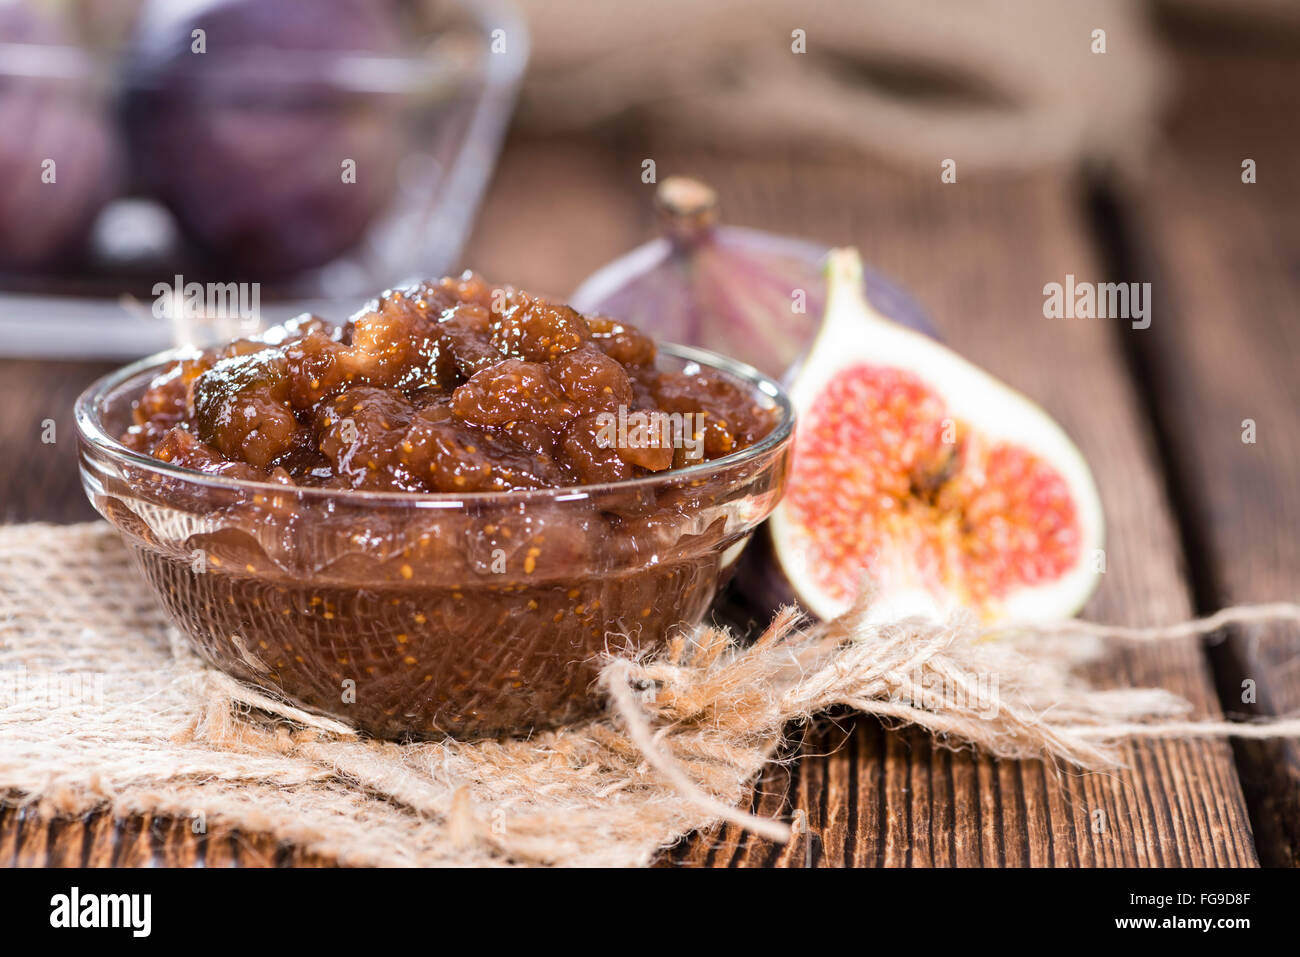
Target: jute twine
<point>103,705</point>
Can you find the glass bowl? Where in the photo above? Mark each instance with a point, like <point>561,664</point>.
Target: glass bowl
<point>417,616</point>
<point>228,168</point>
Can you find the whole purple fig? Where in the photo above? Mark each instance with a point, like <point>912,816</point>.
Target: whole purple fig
<point>264,126</point>
<point>58,155</point>
<point>751,295</point>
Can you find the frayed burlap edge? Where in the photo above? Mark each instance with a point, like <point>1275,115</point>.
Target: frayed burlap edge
<point>104,706</point>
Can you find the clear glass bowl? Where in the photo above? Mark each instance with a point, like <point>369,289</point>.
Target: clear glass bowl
<point>427,615</point>
<point>228,169</point>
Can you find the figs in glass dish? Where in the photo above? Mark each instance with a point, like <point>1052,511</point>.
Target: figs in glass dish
<point>269,128</point>
<point>59,155</point>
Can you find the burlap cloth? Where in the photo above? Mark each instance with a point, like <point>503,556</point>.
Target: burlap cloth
<point>995,84</point>
<point>172,736</point>
<point>103,705</point>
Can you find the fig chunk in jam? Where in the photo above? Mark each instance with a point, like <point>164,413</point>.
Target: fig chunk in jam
<point>445,386</point>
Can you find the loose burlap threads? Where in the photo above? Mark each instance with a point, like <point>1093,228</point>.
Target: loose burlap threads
<point>102,704</point>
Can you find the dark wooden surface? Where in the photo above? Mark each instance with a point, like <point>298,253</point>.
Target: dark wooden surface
<point>1196,518</point>
<point>1227,257</point>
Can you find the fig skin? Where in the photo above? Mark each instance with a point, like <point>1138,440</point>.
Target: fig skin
<point>750,295</point>
<point>759,580</point>
<point>245,142</point>
<point>55,118</point>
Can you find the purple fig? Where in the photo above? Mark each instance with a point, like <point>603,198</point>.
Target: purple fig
<point>744,293</point>
<point>58,155</point>
<point>258,125</point>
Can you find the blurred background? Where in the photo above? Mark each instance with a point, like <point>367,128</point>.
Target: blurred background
<point>324,149</point>
<point>304,154</point>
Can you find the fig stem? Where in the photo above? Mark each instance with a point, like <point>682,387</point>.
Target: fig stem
<point>688,210</point>
<point>847,305</point>
<point>844,266</point>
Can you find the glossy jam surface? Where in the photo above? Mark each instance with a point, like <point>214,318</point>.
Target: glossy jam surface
<point>447,386</point>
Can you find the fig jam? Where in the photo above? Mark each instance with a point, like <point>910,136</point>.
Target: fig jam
<point>448,386</point>
<point>470,615</point>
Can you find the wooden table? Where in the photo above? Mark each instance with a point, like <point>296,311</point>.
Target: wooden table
<point>1197,518</point>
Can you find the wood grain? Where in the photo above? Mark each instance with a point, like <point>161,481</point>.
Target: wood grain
<point>38,479</point>
<point>1224,348</point>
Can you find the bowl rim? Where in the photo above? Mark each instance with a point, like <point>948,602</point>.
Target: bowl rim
<point>91,432</point>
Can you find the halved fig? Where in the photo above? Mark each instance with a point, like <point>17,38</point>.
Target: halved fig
<point>924,478</point>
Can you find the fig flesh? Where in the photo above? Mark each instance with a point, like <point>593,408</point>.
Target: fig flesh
<point>922,477</point>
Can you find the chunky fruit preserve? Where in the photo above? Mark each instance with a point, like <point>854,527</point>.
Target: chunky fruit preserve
<point>437,517</point>
<point>449,386</point>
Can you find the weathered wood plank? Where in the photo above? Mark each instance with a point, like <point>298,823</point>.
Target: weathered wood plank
<point>38,479</point>
<point>1223,352</point>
